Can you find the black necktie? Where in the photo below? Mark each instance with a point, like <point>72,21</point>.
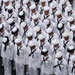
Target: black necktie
<point>18,50</point>
<point>65,43</point>
<point>68,59</point>
<point>55,49</point>
<point>73,68</point>
<point>50,39</point>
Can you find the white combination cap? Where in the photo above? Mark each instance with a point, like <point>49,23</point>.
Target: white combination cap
<point>1,26</point>
<point>32,6</point>
<point>18,40</point>
<point>42,0</point>
<point>34,17</point>
<point>31,43</point>
<point>37,28</point>
<point>58,54</point>
<point>21,13</point>
<point>4,40</point>
<point>46,21</point>
<point>46,8</point>
<point>5,1</point>
<point>73,58</point>
<point>40,37</point>
<point>70,19</point>
<point>68,8</point>
<point>58,12</point>
<point>60,25</point>
<point>29,34</point>
<point>62,1</point>
<point>23,24</point>
<point>73,27</point>
<point>65,34</point>
<point>25,1</point>
<point>17,5</point>
<point>49,30</point>
<point>9,7</point>
<point>14,29</point>
<point>44,50</point>
<point>10,20</point>
<point>55,41</point>
<point>71,47</point>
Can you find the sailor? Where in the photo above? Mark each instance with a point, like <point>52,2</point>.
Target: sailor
<point>7,55</point>
<point>19,56</point>
<point>46,63</point>
<point>34,58</point>
<point>60,64</point>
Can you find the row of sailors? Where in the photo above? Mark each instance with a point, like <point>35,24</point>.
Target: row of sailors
<point>27,50</point>
<point>31,59</point>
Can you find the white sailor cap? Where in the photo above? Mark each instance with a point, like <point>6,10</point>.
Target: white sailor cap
<point>34,17</point>
<point>62,2</point>
<point>73,27</point>
<point>11,0</point>
<point>73,58</point>
<point>21,13</point>
<point>9,7</point>
<point>68,8</point>
<point>25,1</point>
<point>55,41</point>
<point>4,40</point>
<point>42,0</point>
<point>23,24</point>
<point>71,47</point>
<point>36,28</point>
<point>65,34</point>
<point>40,37</point>
<point>31,43</point>
<point>18,40</point>
<point>14,29</point>
<point>53,5</point>
<point>58,12</point>
<point>70,19</point>
<point>10,20</point>
<point>59,54</point>
<point>46,8</point>
<point>44,50</point>
<point>1,26</point>
<point>46,21</point>
<point>32,6</point>
<point>5,1</point>
<point>49,30</point>
<point>17,5</point>
<point>60,25</point>
<point>30,33</point>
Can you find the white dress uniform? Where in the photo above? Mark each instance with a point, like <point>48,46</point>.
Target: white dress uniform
<point>19,57</point>
<point>34,59</point>
<point>60,67</point>
<point>46,64</point>
<point>7,55</point>
<point>72,33</point>
<point>72,66</point>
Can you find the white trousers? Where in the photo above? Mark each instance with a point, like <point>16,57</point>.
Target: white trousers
<point>19,69</point>
<point>7,66</point>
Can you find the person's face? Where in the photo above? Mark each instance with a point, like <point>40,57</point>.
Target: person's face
<point>36,20</point>
<point>30,37</point>
<point>33,10</point>
<point>0,19</point>
<point>60,58</point>
<point>7,3</point>
<point>39,32</point>
<point>66,38</point>
<point>2,30</point>
<point>59,16</point>
<point>51,33</point>
<point>46,12</point>
<point>43,40</point>
<point>43,4</point>
<point>33,47</point>
<point>19,44</point>
<point>56,45</point>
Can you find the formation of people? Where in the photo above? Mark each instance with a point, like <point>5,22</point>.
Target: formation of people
<point>37,37</point>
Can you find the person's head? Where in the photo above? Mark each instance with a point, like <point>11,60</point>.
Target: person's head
<point>59,55</point>
<point>33,8</point>
<point>29,35</point>
<point>65,35</point>
<point>71,49</point>
<point>6,2</point>
<point>43,2</point>
<point>44,52</point>
<point>15,31</point>
<point>18,41</point>
<point>46,10</point>
<point>32,45</point>
<point>41,38</point>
